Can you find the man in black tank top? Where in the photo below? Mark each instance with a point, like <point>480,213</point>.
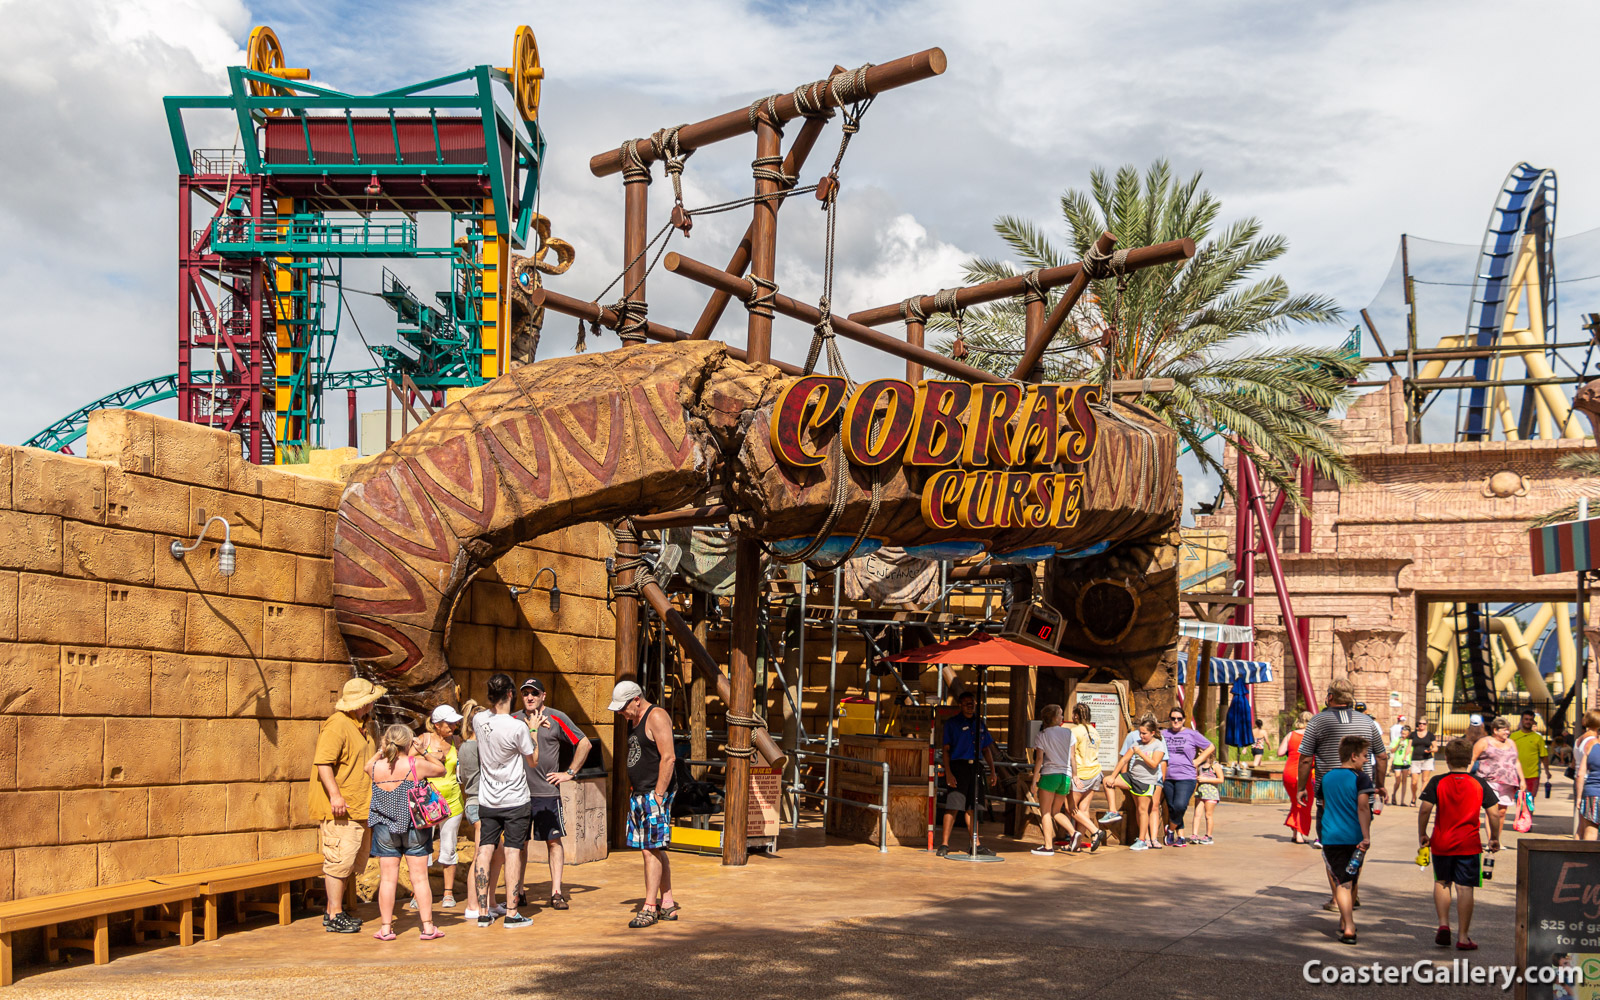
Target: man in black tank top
<point>651,764</point>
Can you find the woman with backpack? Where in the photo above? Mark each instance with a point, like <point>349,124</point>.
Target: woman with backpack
<point>398,788</point>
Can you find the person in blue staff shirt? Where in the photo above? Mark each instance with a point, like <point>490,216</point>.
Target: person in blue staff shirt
<point>965,737</point>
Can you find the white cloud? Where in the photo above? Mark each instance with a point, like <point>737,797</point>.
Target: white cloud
<point>1340,126</point>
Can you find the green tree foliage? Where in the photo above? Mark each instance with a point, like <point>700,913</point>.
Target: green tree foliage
<point>1204,323</point>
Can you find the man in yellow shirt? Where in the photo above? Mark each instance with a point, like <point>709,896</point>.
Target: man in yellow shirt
<point>340,794</point>
<point>1533,754</point>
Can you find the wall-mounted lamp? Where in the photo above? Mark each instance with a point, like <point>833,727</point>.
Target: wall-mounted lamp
<point>227,555</point>
<point>555,588</point>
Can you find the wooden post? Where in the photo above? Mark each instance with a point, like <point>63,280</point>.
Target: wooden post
<point>747,553</point>
<point>697,684</point>
<point>5,959</point>
<point>185,922</point>
<point>1021,698</point>
<point>914,332</point>
<point>285,904</point>
<point>796,159</point>
<point>102,939</point>
<point>625,668</point>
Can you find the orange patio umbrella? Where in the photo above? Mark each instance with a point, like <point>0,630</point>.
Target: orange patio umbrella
<point>985,651</point>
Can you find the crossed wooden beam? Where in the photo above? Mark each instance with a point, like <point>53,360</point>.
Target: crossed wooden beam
<point>730,281</point>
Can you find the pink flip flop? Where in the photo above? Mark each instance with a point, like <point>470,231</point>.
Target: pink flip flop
<point>437,933</point>
<point>383,935</point>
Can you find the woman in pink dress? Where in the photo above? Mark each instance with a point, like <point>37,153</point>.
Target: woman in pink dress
<point>1299,818</point>
<point>1496,757</point>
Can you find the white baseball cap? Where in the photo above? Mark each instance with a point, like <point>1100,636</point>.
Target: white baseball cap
<point>624,692</point>
<point>444,713</point>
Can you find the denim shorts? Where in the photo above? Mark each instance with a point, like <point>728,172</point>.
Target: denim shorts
<point>391,843</point>
<point>472,813</point>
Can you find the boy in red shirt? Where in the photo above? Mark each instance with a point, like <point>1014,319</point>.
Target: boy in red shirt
<point>1458,796</point>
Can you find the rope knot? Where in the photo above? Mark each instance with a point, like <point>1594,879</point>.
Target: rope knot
<point>764,109</point>
<point>770,168</point>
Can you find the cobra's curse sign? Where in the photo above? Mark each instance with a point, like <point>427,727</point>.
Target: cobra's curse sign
<point>998,447</point>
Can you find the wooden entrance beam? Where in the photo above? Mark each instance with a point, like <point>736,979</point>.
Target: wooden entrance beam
<point>898,73</point>
<point>712,277</point>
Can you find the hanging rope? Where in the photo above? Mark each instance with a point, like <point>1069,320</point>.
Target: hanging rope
<point>944,300</point>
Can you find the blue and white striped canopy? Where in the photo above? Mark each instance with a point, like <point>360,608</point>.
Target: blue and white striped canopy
<point>1224,671</point>
<point>1214,631</point>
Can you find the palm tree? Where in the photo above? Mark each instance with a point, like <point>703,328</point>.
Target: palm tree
<point>1198,323</point>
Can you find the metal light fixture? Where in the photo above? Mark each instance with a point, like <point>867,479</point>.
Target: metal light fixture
<point>555,588</point>
<point>227,555</point>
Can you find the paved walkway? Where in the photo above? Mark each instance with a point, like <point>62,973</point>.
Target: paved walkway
<point>840,920</point>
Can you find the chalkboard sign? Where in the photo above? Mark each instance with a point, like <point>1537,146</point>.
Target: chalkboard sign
<point>1558,914</point>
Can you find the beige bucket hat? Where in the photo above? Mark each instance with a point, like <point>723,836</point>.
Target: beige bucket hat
<point>359,692</point>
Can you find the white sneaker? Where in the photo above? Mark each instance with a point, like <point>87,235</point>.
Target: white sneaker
<point>1044,850</point>
<point>471,914</point>
<point>1110,817</point>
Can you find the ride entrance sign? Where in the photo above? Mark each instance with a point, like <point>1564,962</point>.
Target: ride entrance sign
<point>999,454</point>
<point>1558,915</point>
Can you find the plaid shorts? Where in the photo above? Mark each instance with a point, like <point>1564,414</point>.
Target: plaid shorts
<point>650,821</point>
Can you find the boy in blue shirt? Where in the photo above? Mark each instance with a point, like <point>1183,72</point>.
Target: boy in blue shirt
<point>1344,824</point>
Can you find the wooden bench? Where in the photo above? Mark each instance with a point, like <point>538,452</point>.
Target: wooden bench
<point>211,884</point>
<point>98,903</point>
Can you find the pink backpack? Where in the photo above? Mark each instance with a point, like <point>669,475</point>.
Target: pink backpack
<point>428,807</point>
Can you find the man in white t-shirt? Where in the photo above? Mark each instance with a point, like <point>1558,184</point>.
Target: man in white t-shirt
<point>1394,730</point>
<point>505,752</point>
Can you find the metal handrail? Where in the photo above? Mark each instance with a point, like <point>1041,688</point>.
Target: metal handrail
<point>881,808</point>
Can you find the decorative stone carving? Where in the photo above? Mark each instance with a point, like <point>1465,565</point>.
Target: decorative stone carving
<point>1505,483</point>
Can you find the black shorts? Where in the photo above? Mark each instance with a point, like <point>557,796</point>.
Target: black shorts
<point>1337,858</point>
<point>515,823</point>
<point>962,776</point>
<point>1458,869</point>
<point>547,817</point>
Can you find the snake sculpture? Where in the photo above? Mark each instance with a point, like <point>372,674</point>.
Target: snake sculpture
<point>652,428</point>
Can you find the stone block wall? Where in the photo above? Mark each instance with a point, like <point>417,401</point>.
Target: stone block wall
<point>156,716</point>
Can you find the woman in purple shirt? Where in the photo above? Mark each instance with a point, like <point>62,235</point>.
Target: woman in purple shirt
<point>1185,748</point>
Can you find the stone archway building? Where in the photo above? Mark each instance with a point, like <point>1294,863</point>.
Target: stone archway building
<point>1428,522</point>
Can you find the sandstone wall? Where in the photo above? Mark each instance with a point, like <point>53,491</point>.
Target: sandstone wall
<point>158,717</point>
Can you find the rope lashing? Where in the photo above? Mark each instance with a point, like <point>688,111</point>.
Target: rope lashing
<point>850,87</point>
<point>770,168</point>
<point>1099,266</point>
<point>632,320</point>
<point>634,169</point>
<point>762,292</point>
<point>765,109</point>
<point>808,100</point>
<point>1034,291</point>
<point>627,534</point>
<point>911,310</point>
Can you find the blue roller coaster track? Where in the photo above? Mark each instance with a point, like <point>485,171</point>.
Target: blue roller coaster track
<point>1525,206</point>
<point>62,433</point>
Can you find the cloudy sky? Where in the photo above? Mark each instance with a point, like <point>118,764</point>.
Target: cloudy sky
<point>1340,125</point>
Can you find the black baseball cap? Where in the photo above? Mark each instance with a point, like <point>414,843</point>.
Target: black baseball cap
<point>535,683</point>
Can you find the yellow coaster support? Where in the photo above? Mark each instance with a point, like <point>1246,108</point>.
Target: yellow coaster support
<point>285,312</point>
<point>494,265</point>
